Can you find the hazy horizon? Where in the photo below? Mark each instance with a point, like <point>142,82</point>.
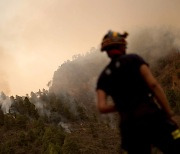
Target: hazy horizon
<point>36,37</point>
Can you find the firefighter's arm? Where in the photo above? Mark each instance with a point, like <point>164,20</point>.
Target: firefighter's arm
<point>102,104</point>
<point>156,89</point>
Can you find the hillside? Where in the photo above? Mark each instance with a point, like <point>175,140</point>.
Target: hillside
<point>167,71</point>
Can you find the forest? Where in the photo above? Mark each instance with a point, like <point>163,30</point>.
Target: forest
<point>64,118</point>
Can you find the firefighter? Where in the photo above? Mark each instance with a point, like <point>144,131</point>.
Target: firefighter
<point>146,117</point>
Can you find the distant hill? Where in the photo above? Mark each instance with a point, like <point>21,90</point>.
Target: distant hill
<point>77,78</point>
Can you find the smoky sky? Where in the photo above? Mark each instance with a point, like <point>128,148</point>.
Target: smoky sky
<point>39,35</point>
<point>155,43</point>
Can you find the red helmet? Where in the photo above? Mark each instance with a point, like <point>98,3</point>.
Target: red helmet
<point>113,39</point>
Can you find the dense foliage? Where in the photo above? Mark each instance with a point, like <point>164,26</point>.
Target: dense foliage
<point>28,129</point>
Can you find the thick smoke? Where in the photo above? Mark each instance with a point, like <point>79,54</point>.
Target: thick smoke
<point>74,81</point>
<point>154,44</point>
<point>78,76</point>
<point>5,102</point>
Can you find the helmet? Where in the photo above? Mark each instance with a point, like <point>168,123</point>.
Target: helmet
<point>113,39</point>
